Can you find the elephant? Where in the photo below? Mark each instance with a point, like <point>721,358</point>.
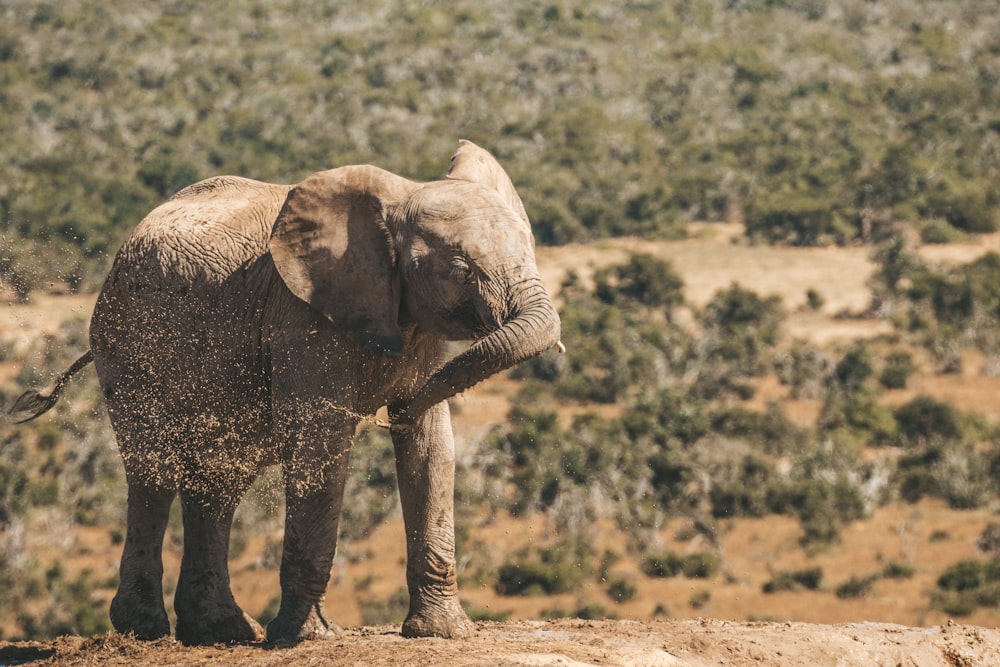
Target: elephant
<point>244,325</point>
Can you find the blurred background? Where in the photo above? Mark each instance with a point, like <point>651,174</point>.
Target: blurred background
<point>771,226</point>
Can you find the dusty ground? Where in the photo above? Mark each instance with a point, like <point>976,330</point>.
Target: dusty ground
<point>571,643</point>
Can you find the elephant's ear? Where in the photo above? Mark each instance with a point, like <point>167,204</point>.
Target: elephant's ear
<point>475,164</point>
<point>332,248</point>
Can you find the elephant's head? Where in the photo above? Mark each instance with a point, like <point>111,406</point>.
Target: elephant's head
<point>370,249</point>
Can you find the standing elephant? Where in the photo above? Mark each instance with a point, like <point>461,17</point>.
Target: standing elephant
<point>245,324</point>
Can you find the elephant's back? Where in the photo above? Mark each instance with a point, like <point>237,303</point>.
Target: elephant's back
<point>204,233</point>
<point>176,325</point>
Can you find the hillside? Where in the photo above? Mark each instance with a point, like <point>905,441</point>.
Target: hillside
<point>814,121</point>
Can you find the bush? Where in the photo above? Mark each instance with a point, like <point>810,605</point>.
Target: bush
<point>966,585</point>
<point>700,565</point>
<point>822,507</point>
<point>915,476</point>
<point>371,484</point>
<point>798,218</point>
<point>547,572</point>
<point>856,587</point>
<point>739,327</point>
<point>795,580</point>
<point>664,565</point>
<point>668,564</point>
<point>969,206</point>
<point>968,575</point>
<point>621,590</point>
<point>895,570</point>
<point>616,346</point>
<point>926,420</point>
<point>989,540</point>
<point>644,280</point>
<point>897,370</point>
<point>745,489</point>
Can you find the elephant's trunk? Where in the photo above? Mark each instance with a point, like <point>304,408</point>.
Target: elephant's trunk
<point>532,329</point>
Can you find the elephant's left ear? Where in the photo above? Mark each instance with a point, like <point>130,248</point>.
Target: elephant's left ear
<point>333,250</point>
<point>477,165</point>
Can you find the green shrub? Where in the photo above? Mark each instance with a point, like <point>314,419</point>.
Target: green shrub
<point>814,299</point>
<point>794,580</point>
<point>557,570</point>
<point>665,565</point>
<point>924,419</point>
<point>915,476</point>
<point>966,585</point>
<point>989,540</point>
<point>700,599</point>
<point>894,570</point>
<point>643,279</point>
<point>856,587</point>
<point>803,369</point>
<point>954,604</point>
<point>739,327</point>
<point>700,565</point>
<point>968,575</point>
<point>745,489</point>
<point>938,230</point>
<point>821,506</point>
<point>969,205</point>
<point>896,371</point>
<point>621,590</point>
<point>485,614</point>
<point>798,218</point>
<point>591,612</point>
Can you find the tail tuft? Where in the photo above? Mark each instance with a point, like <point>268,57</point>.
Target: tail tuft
<point>31,404</point>
<point>35,402</point>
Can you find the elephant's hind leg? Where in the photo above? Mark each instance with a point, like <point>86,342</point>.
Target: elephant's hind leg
<point>207,613</point>
<point>138,605</point>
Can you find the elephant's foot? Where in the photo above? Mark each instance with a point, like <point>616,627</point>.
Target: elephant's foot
<point>290,626</point>
<point>136,615</point>
<point>446,619</point>
<point>231,628</point>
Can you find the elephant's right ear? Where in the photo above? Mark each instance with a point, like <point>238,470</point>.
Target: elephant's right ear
<point>333,250</point>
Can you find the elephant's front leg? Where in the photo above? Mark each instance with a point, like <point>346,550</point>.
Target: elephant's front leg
<point>425,466</point>
<point>314,492</point>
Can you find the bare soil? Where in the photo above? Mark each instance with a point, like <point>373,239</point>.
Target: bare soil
<point>567,643</point>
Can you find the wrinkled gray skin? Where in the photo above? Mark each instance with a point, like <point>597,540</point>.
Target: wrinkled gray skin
<point>245,324</point>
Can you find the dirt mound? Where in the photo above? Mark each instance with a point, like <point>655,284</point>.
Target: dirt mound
<point>572,643</point>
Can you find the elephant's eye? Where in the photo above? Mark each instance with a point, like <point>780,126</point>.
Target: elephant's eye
<point>461,272</point>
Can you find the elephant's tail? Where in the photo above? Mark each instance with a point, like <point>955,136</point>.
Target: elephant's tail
<point>35,402</point>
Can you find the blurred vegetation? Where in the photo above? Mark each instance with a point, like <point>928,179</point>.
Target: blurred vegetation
<point>629,118</point>
<point>859,122</point>
<point>680,441</point>
<point>683,443</point>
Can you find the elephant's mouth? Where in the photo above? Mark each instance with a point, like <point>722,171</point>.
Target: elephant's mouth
<point>468,322</point>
